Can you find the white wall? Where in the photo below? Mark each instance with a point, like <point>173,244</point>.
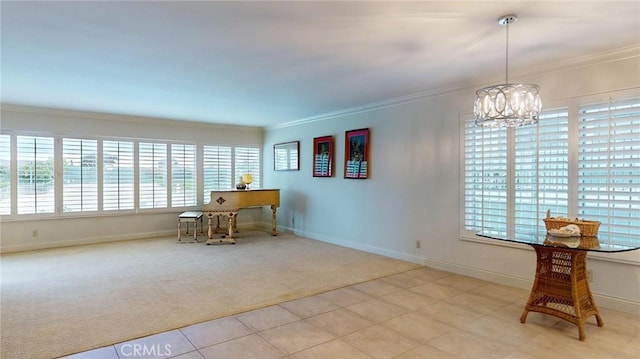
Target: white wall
<point>414,188</point>
<point>413,192</point>
<point>16,233</point>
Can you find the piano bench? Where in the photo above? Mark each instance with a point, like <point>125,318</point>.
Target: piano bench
<point>190,217</point>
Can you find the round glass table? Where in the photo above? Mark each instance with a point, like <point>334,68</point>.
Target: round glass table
<point>561,284</point>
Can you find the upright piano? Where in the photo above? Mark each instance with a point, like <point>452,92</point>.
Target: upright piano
<point>229,202</point>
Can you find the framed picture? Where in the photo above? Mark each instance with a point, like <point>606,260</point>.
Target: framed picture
<point>286,156</point>
<point>356,154</point>
<point>323,156</point>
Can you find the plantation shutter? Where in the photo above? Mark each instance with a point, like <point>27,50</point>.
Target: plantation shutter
<point>35,174</point>
<point>217,169</point>
<point>541,171</point>
<point>485,179</point>
<point>80,175</point>
<point>609,167</point>
<point>247,160</point>
<point>117,175</point>
<point>473,136</point>
<point>5,174</point>
<point>152,177</point>
<point>183,176</point>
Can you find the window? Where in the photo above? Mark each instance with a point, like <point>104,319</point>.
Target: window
<point>152,177</point>
<point>35,167</point>
<point>80,175</point>
<point>183,176</point>
<point>5,174</point>
<point>513,176</point>
<point>247,160</point>
<point>541,170</point>
<point>217,169</point>
<point>485,187</point>
<point>609,167</point>
<point>100,176</point>
<point>117,176</point>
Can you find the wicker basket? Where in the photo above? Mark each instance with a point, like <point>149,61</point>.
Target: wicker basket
<point>587,228</point>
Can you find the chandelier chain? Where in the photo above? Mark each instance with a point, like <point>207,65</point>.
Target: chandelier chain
<point>506,66</point>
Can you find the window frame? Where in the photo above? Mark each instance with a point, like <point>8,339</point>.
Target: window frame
<point>58,192</point>
<point>139,174</point>
<point>10,192</point>
<point>134,171</point>
<point>196,175</point>
<point>223,158</point>
<point>15,168</point>
<point>245,158</point>
<point>97,174</point>
<point>573,106</point>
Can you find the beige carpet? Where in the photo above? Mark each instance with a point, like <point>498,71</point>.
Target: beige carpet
<point>62,301</point>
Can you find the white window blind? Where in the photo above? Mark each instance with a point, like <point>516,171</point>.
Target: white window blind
<point>183,175</point>
<point>36,177</point>
<point>80,172</point>
<point>217,169</point>
<point>541,171</point>
<point>512,176</point>
<point>596,179</point>
<point>152,177</point>
<point>609,167</point>
<point>247,160</point>
<point>485,192</point>
<point>133,174</point>
<point>118,178</point>
<point>5,174</point>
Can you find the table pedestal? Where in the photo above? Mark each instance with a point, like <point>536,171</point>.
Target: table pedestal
<point>561,287</point>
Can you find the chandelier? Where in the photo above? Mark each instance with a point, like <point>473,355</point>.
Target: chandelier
<point>507,105</point>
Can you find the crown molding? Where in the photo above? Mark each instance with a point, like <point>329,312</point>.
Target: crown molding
<point>373,106</point>
<point>360,109</point>
<point>619,54</point>
<point>604,57</point>
<point>103,116</point>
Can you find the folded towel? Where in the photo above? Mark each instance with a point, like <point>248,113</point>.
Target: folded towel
<point>571,228</point>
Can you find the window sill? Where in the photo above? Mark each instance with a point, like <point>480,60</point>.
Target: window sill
<point>53,217</point>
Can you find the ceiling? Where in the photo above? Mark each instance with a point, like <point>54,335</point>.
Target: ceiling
<point>272,63</point>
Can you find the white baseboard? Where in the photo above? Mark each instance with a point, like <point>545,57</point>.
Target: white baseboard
<point>82,241</point>
<point>500,278</point>
<point>359,246</point>
<point>604,301</point>
<point>102,239</point>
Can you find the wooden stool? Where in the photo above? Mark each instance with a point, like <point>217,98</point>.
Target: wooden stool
<point>190,217</point>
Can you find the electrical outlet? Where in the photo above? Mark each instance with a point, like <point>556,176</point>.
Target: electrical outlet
<point>35,233</point>
<point>589,275</point>
<point>418,243</point>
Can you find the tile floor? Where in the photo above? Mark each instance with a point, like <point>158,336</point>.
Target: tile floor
<point>424,313</point>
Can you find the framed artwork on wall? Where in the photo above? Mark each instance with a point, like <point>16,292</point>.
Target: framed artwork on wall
<point>286,156</point>
<point>356,154</point>
<point>323,156</point>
